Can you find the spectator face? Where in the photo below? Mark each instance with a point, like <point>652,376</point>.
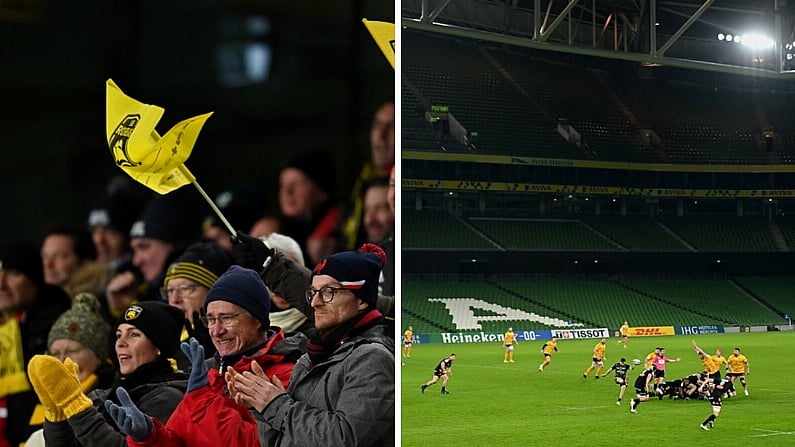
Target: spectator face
<point>382,136</point>
<point>298,194</point>
<point>390,195</point>
<point>133,348</point>
<point>264,226</point>
<point>377,217</point>
<point>86,360</point>
<point>59,259</point>
<point>186,295</point>
<point>342,308</point>
<point>219,236</point>
<point>242,332</point>
<point>150,256</point>
<point>278,302</point>
<point>110,244</point>
<point>17,291</point>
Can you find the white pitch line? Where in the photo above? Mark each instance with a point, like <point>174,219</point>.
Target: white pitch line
<point>771,433</point>
<point>581,408</point>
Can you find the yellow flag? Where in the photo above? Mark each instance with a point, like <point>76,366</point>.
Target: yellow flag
<point>384,35</point>
<point>156,162</point>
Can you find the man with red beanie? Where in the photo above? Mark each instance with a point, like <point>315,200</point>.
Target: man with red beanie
<point>342,391</point>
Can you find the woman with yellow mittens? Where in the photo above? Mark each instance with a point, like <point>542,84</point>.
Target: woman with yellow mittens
<point>147,335</point>
<point>80,334</point>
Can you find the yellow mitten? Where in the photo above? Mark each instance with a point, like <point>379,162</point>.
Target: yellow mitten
<point>35,366</point>
<point>61,382</point>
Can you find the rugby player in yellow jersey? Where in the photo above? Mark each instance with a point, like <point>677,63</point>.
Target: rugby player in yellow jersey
<point>624,330</point>
<point>408,340</point>
<point>547,349</point>
<point>712,363</point>
<point>598,360</point>
<point>650,358</point>
<point>508,342</point>
<point>737,368</point>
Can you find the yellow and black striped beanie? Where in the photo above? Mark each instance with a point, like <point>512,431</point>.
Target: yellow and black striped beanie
<point>202,262</point>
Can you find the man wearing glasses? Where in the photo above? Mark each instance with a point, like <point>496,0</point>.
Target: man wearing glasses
<point>237,316</point>
<point>187,282</point>
<point>342,391</point>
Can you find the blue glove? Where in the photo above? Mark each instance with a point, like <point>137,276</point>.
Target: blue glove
<point>130,420</point>
<point>194,351</point>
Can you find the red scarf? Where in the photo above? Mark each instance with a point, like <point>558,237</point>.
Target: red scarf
<point>322,345</point>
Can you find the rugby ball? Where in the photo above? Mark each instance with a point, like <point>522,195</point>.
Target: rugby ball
<point>636,361</point>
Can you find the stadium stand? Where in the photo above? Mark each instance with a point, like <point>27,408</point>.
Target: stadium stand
<point>673,170</point>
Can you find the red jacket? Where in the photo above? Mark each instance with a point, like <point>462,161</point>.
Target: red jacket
<point>208,416</point>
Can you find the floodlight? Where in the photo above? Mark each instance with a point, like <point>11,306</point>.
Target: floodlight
<point>758,41</point>
<point>729,38</point>
<point>721,36</point>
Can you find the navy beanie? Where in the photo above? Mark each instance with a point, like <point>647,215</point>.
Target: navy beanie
<point>23,257</point>
<point>357,271</point>
<point>243,287</point>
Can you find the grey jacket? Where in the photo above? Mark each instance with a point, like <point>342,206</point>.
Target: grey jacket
<point>347,400</point>
<point>91,428</point>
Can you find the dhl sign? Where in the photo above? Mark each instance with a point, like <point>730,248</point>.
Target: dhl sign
<point>651,331</point>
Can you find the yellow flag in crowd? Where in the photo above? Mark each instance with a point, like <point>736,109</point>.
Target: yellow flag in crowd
<point>384,35</point>
<point>156,162</point>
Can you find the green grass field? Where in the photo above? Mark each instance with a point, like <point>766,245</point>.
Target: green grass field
<point>494,403</point>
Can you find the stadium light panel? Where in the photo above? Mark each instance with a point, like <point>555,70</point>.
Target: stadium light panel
<point>758,42</point>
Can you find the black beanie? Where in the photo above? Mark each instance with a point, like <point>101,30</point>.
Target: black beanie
<point>117,211</point>
<point>202,262</point>
<point>161,323</point>
<point>23,257</point>
<point>170,218</point>
<point>318,165</point>
<point>357,271</point>
<point>243,287</point>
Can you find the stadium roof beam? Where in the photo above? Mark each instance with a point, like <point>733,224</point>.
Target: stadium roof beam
<point>661,51</point>
<point>545,33</point>
<point>519,23</point>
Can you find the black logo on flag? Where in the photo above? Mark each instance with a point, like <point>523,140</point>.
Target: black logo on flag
<point>118,141</point>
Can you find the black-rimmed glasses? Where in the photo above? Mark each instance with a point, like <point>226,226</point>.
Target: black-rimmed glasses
<point>326,293</point>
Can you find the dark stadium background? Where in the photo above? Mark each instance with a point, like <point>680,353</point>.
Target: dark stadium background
<point>483,97</point>
<point>326,78</point>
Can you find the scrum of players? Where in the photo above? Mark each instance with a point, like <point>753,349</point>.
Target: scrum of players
<point>707,384</point>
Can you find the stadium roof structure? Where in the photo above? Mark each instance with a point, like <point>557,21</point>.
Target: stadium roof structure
<point>713,35</point>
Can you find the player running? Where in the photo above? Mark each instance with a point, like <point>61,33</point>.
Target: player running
<point>547,349</point>
<point>598,360</point>
<point>442,371</point>
<point>641,388</point>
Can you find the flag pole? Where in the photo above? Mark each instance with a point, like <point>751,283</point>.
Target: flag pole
<point>217,211</point>
<point>221,216</point>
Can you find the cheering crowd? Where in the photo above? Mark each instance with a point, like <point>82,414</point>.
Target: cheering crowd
<point>149,325</point>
